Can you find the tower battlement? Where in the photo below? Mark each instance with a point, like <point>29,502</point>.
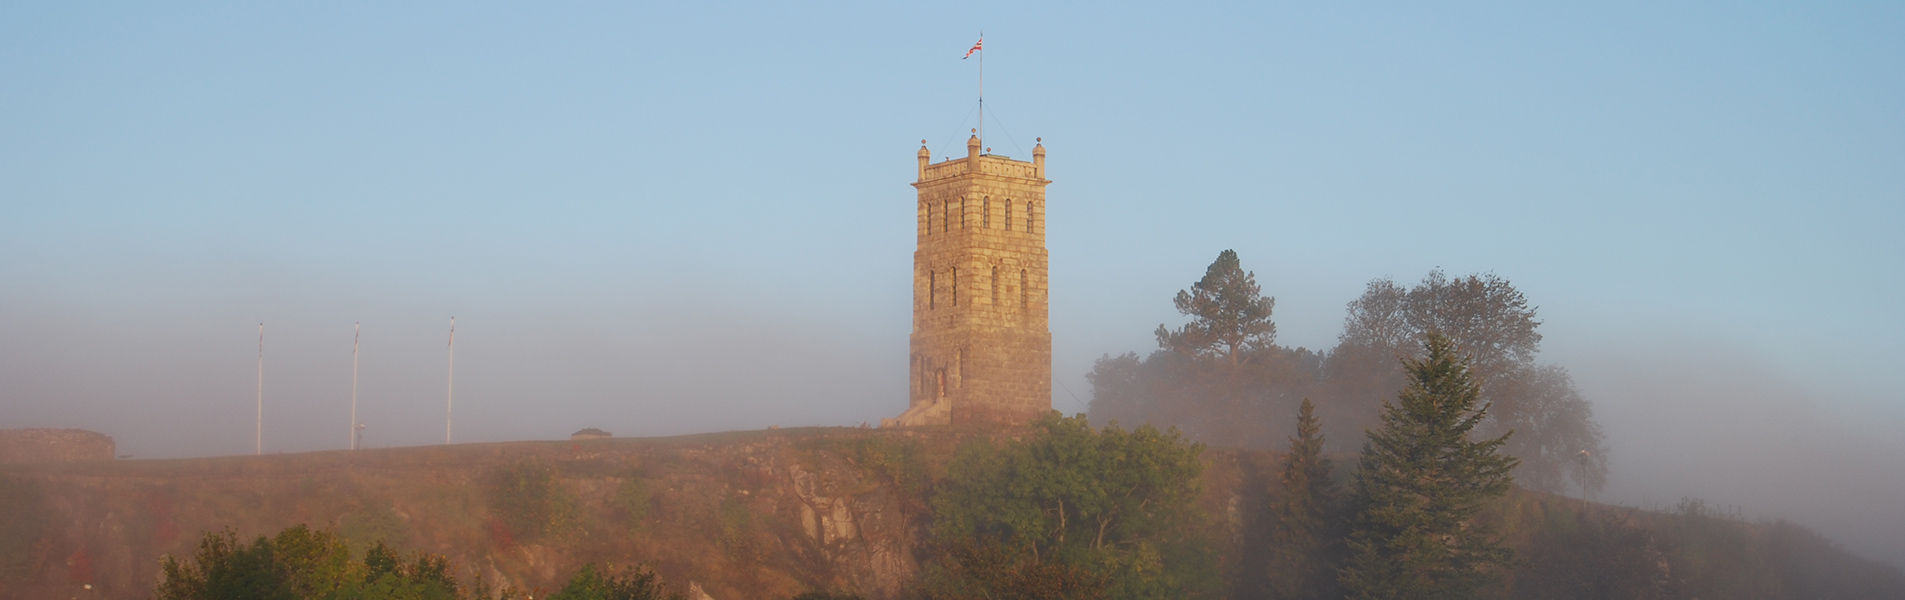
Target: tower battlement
<point>989,164</point>
<point>981,344</point>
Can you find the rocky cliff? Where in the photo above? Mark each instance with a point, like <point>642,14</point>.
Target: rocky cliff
<point>770,514</point>
<point>762,514</point>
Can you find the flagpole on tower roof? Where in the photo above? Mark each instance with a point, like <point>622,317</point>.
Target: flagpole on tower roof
<point>980,47</point>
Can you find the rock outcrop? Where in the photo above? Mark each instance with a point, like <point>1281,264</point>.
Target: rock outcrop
<point>767,514</point>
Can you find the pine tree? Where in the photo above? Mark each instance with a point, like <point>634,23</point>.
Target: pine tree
<point>1305,541</point>
<point>1230,316</point>
<point>1420,482</point>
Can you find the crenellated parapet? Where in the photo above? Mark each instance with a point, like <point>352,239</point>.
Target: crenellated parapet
<point>989,164</point>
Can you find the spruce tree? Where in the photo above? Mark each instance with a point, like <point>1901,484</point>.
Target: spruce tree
<point>1305,540</point>
<point>1420,482</point>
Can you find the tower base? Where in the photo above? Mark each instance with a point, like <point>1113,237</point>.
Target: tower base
<point>937,412</point>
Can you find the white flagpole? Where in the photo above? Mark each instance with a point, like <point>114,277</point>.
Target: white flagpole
<point>982,88</point>
<point>450,399</point>
<point>356,334</point>
<point>261,391</point>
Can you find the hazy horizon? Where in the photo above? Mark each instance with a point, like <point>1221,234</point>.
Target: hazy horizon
<point>661,221</point>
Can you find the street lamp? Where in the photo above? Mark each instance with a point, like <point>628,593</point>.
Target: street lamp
<point>1585,457</point>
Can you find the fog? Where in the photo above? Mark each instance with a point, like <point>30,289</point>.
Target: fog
<point>181,387</point>
<point>1687,413</point>
<point>662,220</point>
<point>1692,416</point>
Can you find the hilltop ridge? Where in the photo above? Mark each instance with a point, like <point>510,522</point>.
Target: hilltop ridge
<point>768,514</point>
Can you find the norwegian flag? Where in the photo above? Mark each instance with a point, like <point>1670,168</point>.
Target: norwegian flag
<point>975,48</point>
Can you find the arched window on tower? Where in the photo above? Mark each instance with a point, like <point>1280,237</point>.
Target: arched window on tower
<point>926,209</point>
<point>985,213</point>
<point>961,370</point>
<point>955,286</point>
<point>942,384</point>
<point>1025,287</point>
<point>1008,214</point>
<point>995,286</point>
<point>932,289</point>
<point>945,217</point>
<point>962,213</point>
<point>1031,218</point>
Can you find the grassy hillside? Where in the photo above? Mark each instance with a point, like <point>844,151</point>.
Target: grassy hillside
<point>767,514</point>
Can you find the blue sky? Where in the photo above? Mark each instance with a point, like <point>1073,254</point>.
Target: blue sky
<point>669,218</point>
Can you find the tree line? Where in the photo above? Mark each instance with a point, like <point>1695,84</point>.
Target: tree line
<point>1082,513</point>
<point>1222,378</point>
<point>300,563</point>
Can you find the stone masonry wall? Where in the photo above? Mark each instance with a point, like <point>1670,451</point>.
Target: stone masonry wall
<point>21,446</point>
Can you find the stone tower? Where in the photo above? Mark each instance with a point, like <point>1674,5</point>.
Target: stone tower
<point>981,345</point>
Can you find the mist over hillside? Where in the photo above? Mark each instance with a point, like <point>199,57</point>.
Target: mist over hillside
<point>1685,416</point>
<point>1697,418</point>
<point>674,219</point>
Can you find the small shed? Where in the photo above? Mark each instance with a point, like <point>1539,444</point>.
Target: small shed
<point>591,434</point>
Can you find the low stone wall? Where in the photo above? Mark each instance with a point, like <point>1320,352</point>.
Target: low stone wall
<point>19,446</point>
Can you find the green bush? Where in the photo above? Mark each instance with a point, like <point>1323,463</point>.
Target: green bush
<point>1074,511</point>
<point>595,584</point>
<point>302,564</point>
<point>530,500</point>
<point>373,523</point>
<point>633,499</point>
<point>735,523</point>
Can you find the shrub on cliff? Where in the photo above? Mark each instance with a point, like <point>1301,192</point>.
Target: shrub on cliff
<point>300,564</point>
<point>529,499</point>
<point>596,584</point>
<point>1082,512</point>
<point>305,564</point>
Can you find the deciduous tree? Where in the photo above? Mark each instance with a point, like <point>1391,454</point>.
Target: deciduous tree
<point>1559,443</point>
<point>1069,506</point>
<point>1491,326</point>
